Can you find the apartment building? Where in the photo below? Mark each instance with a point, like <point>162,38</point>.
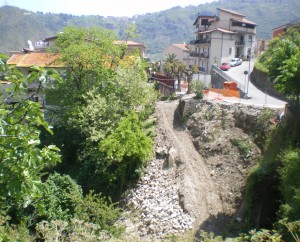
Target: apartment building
<point>221,37</point>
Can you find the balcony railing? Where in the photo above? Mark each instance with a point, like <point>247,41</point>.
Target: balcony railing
<point>202,55</point>
<point>200,41</point>
<point>194,54</point>
<point>239,42</point>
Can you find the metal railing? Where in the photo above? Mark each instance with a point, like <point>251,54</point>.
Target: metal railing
<point>200,41</point>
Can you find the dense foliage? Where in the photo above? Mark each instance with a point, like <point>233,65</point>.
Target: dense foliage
<point>157,30</point>
<point>273,186</point>
<point>282,62</point>
<point>101,123</point>
<point>23,159</point>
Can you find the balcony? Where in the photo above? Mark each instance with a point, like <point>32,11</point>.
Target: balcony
<point>200,41</point>
<point>194,54</point>
<point>240,43</point>
<point>204,55</point>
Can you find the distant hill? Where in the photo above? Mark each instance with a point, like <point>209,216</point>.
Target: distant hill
<point>157,29</point>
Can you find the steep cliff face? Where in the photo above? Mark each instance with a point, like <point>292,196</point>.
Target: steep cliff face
<point>230,138</point>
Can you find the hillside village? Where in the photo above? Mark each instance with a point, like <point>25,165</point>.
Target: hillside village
<point>202,145</point>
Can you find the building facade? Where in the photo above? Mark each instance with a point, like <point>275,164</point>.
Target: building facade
<point>221,37</point>
<point>182,52</point>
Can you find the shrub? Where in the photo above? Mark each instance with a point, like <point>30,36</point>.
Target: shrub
<point>290,183</point>
<point>95,209</point>
<point>60,197</point>
<point>198,88</point>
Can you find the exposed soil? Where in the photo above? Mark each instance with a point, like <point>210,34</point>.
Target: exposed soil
<point>199,194</point>
<point>199,185</point>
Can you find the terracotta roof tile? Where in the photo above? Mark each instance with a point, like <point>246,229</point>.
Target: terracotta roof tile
<point>15,59</point>
<point>38,59</point>
<point>182,46</point>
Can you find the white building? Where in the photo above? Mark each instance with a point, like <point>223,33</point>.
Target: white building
<point>222,37</point>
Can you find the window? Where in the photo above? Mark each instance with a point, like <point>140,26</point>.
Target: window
<point>250,38</point>
<point>230,51</point>
<point>204,22</point>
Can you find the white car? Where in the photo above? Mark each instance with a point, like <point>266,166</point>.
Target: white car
<point>236,62</point>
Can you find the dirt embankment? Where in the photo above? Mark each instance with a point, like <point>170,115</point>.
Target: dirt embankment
<point>204,151</point>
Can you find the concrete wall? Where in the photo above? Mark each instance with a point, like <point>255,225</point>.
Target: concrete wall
<point>263,82</point>
<point>220,45</point>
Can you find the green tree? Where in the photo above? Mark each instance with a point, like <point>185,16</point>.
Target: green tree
<point>89,57</point>
<point>131,32</point>
<point>283,63</point>
<point>23,159</point>
<point>94,104</point>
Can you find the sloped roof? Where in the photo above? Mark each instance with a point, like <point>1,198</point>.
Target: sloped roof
<point>51,38</point>
<point>203,16</point>
<point>246,21</point>
<point>182,46</point>
<point>15,59</point>
<point>129,43</point>
<point>39,59</point>
<point>230,11</point>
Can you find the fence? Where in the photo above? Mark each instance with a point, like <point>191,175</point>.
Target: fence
<point>165,85</point>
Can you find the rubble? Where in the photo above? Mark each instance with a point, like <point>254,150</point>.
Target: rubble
<point>156,198</point>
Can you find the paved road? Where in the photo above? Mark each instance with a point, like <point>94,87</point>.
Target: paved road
<point>257,97</point>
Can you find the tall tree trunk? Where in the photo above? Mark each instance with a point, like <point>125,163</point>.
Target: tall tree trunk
<point>179,84</point>
<point>189,79</point>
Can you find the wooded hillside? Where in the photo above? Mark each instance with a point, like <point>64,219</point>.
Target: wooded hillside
<point>157,29</point>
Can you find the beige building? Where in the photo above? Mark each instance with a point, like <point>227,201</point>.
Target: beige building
<point>222,37</point>
<point>132,46</point>
<point>182,52</point>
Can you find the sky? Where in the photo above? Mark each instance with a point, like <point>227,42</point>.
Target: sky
<point>117,8</point>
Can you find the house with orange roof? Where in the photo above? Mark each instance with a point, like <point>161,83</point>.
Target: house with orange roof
<point>131,45</point>
<point>24,62</point>
<point>182,52</point>
<point>221,37</point>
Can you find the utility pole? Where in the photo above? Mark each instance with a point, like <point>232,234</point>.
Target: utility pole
<point>250,54</point>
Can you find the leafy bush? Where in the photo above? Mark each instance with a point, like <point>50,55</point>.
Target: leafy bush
<point>60,197</point>
<point>95,209</point>
<point>74,230</point>
<point>198,88</point>
<point>290,183</point>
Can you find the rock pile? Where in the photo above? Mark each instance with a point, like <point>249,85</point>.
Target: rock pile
<point>156,198</point>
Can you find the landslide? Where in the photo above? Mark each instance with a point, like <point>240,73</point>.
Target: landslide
<point>214,145</point>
